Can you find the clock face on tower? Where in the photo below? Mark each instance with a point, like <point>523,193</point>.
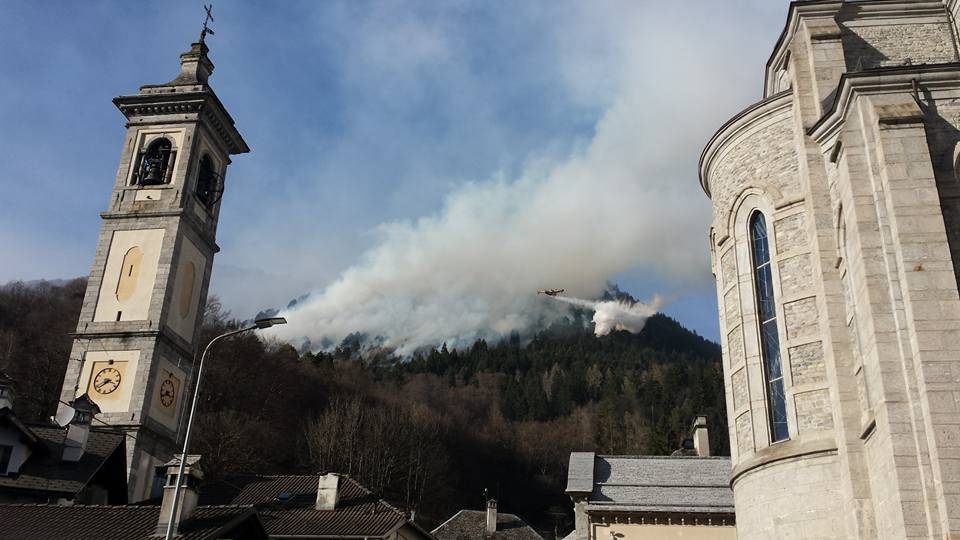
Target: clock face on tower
<point>106,381</point>
<point>168,393</point>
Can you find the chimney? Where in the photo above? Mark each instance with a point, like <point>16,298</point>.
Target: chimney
<point>701,442</point>
<point>491,516</point>
<point>327,491</point>
<point>189,491</point>
<point>78,431</point>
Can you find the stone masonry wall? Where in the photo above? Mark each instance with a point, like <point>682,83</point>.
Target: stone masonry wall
<point>759,165</point>
<point>806,364</point>
<point>791,499</point>
<point>885,45</point>
<point>942,126</point>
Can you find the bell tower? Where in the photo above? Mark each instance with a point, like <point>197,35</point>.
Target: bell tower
<point>136,338</point>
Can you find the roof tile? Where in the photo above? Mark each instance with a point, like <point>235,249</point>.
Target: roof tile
<point>45,471</point>
<point>472,525</point>
<point>358,513</point>
<point>81,522</point>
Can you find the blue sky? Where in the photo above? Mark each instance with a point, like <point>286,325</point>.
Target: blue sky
<point>373,123</point>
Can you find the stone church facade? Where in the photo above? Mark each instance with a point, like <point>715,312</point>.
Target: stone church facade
<point>835,245</point>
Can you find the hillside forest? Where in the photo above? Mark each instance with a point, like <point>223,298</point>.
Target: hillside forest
<point>429,433</point>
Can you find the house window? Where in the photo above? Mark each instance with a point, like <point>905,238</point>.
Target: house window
<point>769,337</point>
<point>155,163</point>
<point>5,452</point>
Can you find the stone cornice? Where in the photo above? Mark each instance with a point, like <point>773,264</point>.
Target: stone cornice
<point>162,335</point>
<point>202,102</point>
<point>742,119</point>
<point>882,80</point>
<point>809,8</point>
<point>783,451</point>
<point>823,8</point>
<point>179,212</point>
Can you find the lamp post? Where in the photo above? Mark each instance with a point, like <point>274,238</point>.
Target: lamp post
<point>258,324</point>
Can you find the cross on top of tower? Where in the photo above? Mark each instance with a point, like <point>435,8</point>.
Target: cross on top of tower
<point>209,18</point>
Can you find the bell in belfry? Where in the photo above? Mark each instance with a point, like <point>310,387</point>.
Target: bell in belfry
<point>154,173</point>
<point>153,168</point>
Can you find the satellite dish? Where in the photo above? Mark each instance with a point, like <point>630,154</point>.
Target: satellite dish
<point>64,415</point>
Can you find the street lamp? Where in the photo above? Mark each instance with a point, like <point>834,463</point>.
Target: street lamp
<point>258,324</point>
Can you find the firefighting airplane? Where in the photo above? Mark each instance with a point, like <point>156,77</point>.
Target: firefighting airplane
<point>550,292</point>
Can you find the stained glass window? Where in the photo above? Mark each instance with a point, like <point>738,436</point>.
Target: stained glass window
<point>769,337</point>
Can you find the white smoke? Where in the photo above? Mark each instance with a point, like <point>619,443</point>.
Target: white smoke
<point>472,271</point>
<point>613,315</point>
<point>625,199</point>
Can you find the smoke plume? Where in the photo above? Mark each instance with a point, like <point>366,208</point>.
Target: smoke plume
<point>612,315</point>
<point>472,270</point>
<point>623,198</point>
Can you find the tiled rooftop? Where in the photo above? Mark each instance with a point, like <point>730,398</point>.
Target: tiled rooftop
<point>653,483</point>
<point>44,471</point>
<point>472,525</point>
<point>286,506</point>
<point>79,522</point>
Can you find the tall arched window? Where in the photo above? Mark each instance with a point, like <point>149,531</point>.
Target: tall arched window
<point>769,337</point>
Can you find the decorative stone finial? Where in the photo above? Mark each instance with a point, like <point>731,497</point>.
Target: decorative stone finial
<point>195,67</point>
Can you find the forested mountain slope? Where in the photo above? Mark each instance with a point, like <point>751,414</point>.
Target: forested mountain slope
<point>429,433</point>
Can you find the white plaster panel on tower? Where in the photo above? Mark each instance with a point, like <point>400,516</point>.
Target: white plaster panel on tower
<point>147,136</point>
<point>129,275</point>
<point>168,387</point>
<point>148,195</point>
<point>108,377</point>
<point>184,306</point>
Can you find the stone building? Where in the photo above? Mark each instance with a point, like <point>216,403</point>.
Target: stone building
<point>685,495</point>
<point>136,522</point>
<point>326,506</point>
<point>836,227</point>
<point>136,337</point>
<point>48,463</point>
